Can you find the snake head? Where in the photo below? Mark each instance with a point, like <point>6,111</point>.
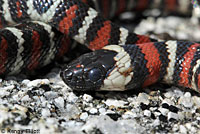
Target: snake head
<point>88,71</point>
<point>105,69</point>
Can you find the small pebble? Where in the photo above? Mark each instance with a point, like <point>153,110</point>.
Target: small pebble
<point>156,123</point>
<point>116,103</point>
<point>162,118</point>
<point>172,115</point>
<point>102,110</point>
<point>84,116</point>
<point>173,109</point>
<point>164,111</point>
<point>59,102</point>
<point>26,98</point>
<point>4,93</point>
<point>182,129</point>
<point>87,98</point>
<point>45,113</point>
<point>143,98</point>
<point>72,97</point>
<point>186,100</point>
<point>147,113</point>
<point>37,82</point>
<point>93,111</point>
<point>51,95</point>
<point>196,101</point>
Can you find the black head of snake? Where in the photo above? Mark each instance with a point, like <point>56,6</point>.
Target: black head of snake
<point>89,71</point>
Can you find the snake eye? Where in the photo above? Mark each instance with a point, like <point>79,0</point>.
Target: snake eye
<point>95,74</point>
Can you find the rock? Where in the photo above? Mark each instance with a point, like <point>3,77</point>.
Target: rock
<point>182,129</point>
<point>173,109</point>
<point>26,98</point>
<point>116,103</point>
<point>59,102</point>
<point>45,113</point>
<point>163,111</point>
<point>87,98</point>
<point>93,111</point>
<point>4,92</point>
<point>186,100</point>
<point>51,95</point>
<point>129,115</point>
<point>172,115</point>
<point>72,111</point>
<point>84,116</point>
<point>72,97</point>
<point>196,101</point>
<point>102,111</point>
<point>147,113</point>
<point>156,123</point>
<point>168,102</point>
<point>143,98</point>
<point>181,115</point>
<point>37,82</point>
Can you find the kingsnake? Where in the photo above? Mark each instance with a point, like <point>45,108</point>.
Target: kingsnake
<point>134,61</point>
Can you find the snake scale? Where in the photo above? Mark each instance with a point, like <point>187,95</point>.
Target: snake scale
<point>35,32</point>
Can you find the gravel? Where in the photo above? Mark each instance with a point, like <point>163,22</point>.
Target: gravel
<point>47,105</point>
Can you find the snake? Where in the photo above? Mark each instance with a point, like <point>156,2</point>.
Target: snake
<point>35,32</point>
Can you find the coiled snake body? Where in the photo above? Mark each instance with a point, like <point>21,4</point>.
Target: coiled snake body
<point>134,61</point>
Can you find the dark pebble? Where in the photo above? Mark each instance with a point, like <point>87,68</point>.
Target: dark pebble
<point>45,87</point>
<point>173,109</point>
<point>162,118</point>
<point>114,116</point>
<point>165,105</point>
<point>144,106</point>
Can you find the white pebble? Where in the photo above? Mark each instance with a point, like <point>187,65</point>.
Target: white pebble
<point>186,100</point>
<point>84,116</point>
<point>72,97</point>
<point>45,113</point>
<point>172,115</point>
<point>143,98</point>
<point>4,93</point>
<point>25,82</point>
<point>188,125</point>
<point>93,111</point>
<point>181,115</point>
<point>116,103</point>
<point>147,113</point>
<point>196,101</point>
<point>187,94</point>
<point>38,82</point>
<point>164,111</point>
<point>51,94</point>
<point>156,122</point>
<point>26,98</point>
<point>102,110</point>
<point>175,128</point>
<point>10,87</point>
<point>59,102</point>
<point>182,129</point>
<point>87,98</point>
<point>157,114</point>
<point>168,101</point>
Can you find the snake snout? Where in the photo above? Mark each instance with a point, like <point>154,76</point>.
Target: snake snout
<point>73,77</point>
<point>66,75</point>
